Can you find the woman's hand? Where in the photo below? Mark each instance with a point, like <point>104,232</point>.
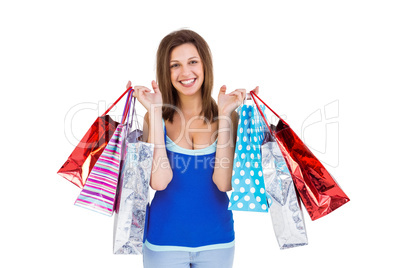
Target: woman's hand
<point>144,95</point>
<point>227,103</point>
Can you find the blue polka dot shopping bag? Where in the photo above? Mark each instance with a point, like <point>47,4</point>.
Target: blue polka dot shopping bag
<point>247,176</point>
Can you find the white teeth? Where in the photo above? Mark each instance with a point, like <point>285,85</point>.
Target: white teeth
<point>186,82</point>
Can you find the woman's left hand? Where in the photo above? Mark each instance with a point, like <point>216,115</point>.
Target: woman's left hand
<point>227,103</point>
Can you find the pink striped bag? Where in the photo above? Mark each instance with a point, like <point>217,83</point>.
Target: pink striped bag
<point>99,192</point>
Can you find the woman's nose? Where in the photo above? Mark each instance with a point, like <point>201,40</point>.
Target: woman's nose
<point>185,71</point>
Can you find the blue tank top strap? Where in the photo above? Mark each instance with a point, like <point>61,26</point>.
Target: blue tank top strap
<point>164,128</point>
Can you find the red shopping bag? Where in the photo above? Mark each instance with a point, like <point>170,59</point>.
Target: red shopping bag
<point>83,158</point>
<point>318,190</point>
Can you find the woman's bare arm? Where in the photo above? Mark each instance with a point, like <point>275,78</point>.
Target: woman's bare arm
<point>153,133</point>
<point>224,156</point>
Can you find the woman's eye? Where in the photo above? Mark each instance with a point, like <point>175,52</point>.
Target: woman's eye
<point>174,65</point>
<point>193,62</point>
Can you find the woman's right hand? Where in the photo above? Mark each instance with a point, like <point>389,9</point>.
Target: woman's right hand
<point>144,95</point>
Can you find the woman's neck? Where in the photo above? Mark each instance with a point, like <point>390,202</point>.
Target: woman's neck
<point>191,105</point>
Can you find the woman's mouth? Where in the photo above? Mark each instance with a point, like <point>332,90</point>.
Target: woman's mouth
<point>188,82</point>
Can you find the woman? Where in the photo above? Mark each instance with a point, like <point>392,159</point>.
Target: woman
<point>189,224</point>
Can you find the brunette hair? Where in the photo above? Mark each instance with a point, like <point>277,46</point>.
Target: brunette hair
<point>169,94</point>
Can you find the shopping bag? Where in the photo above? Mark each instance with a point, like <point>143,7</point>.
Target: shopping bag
<point>133,198</point>
<point>318,190</point>
<point>286,214</point>
<point>99,191</point>
<point>247,178</point>
<point>81,161</point>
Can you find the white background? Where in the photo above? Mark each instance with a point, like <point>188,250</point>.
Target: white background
<point>60,59</point>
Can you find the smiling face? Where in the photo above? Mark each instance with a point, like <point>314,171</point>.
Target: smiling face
<point>186,69</point>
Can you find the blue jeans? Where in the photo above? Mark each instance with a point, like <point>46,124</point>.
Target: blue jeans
<point>216,258</point>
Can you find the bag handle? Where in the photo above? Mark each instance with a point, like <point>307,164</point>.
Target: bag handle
<point>253,95</point>
<point>110,108</point>
<point>133,115</point>
<point>127,106</point>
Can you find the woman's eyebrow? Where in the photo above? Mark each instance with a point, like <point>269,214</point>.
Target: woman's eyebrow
<point>194,57</point>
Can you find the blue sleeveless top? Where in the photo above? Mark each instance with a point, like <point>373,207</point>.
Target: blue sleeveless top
<point>191,214</point>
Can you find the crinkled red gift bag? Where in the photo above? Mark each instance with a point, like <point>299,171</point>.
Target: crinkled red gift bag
<point>83,158</point>
<point>317,188</point>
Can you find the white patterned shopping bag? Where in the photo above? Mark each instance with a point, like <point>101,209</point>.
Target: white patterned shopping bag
<point>247,176</point>
<point>130,216</point>
<point>286,213</point>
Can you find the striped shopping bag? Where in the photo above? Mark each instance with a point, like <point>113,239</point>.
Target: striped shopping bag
<point>99,192</point>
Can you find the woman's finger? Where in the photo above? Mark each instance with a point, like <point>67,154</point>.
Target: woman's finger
<point>243,93</point>
<point>238,95</point>
<point>222,90</point>
<point>256,90</point>
<point>240,91</point>
<point>155,86</point>
<point>137,91</point>
<point>141,88</point>
<point>128,84</point>
<point>235,93</point>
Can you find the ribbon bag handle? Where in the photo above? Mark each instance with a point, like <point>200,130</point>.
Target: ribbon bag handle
<point>111,106</point>
<point>127,106</point>
<point>134,115</point>
<point>253,95</point>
